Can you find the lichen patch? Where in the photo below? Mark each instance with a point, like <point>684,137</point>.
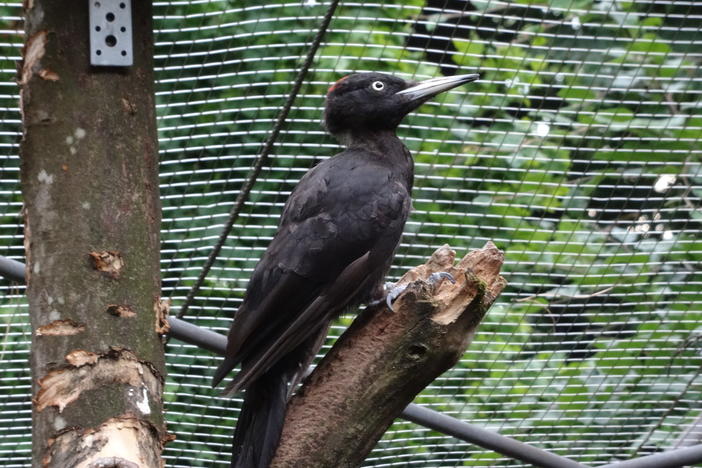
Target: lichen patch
<point>60,328</point>
<point>140,398</point>
<point>109,262</point>
<point>45,178</point>
<point>59,423</point>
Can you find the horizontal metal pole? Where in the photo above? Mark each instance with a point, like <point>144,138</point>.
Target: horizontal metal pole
<point>198,336</point>
<point>670,459</point>
<point>12,269</point>
<point>486,439</point>
<point>180,329</point>
<point>471,433</point>
<point>216,343</point>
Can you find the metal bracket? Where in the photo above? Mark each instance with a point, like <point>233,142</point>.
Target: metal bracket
<point>111,33</point>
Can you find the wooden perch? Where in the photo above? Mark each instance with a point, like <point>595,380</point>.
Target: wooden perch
<point>386,358</point>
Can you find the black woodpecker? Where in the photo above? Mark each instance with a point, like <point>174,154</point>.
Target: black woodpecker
<point>335,243</point>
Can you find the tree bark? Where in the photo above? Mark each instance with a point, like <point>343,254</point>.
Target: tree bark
<point>92,220</point>
<point>385,358</point>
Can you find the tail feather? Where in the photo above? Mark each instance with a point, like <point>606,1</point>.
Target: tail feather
<point>262,415</point>
<point>260,422</point>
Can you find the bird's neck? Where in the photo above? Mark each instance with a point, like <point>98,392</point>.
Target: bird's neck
<point>387,147</point>
<point>383,142</point>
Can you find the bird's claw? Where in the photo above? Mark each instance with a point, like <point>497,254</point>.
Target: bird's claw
<point>393,294</point>
<point>434,279</point>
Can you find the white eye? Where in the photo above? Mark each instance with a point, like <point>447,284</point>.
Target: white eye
<point>378,85</point>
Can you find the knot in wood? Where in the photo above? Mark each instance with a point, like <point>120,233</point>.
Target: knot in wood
<point>417,351</point>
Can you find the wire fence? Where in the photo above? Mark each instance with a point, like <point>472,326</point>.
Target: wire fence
<point>578,153</point>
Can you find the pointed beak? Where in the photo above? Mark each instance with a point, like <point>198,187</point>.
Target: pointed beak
<point>422,92</point>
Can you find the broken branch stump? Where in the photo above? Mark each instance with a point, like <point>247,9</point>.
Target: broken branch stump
<point>386,358</point>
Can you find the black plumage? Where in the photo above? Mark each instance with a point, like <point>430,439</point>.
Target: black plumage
<point>335,242</point>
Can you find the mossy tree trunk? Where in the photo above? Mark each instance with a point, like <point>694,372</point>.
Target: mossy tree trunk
<point>92,219</point>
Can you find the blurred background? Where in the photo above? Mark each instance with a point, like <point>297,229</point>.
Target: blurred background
<point>578,153</point>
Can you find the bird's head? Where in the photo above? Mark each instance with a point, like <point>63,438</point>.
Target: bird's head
<point>376,101</point>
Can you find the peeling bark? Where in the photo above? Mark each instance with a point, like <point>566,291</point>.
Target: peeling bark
<point>89,371</point>
<point>123,311</point>
<point>34,50</point>
<point>92,220</point>
<point>385,358</point>
<point>109,262</point>
<point>124,442</point>
<point>60,328</point>
<point>81,357</point>
<point>162,309</point>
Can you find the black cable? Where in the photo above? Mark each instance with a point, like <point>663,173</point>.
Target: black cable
<point>262,158</point>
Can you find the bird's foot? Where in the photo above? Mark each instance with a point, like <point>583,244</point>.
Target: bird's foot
<point>435,278</point>
<point>393,292</point>
<point>388,287</point>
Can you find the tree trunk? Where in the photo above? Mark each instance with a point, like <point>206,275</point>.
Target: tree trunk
<point>385,358</point>
<point>92,219</point>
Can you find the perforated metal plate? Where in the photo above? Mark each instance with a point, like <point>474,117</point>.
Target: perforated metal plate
<point>111,33</point>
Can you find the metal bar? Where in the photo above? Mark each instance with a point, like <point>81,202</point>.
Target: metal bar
<point>216,343</point>
<point>12,269</point>
<point>212,341</point>
<point>486,439</point>
<point>670,459</point>
<point>198,336</point>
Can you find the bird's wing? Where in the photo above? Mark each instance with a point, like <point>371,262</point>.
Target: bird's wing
<point>338,231</point>
<point>324,306</point>
<point>286,290</point>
